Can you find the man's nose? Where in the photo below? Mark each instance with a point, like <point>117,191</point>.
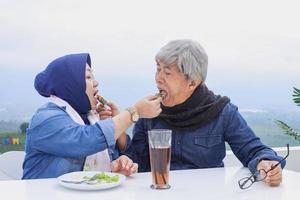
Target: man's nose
<point>159,78</point>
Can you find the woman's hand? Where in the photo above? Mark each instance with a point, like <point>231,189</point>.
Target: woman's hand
<point>148,107</point>
<point>124,165</point>
<point>108,110</point>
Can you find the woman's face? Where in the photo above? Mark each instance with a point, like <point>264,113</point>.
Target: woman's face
<point>91,87</point>
<point>173,84</point>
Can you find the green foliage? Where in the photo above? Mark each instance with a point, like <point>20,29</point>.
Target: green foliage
<point>296,96</point>
<point>286,128</point>
<point>23,127</point>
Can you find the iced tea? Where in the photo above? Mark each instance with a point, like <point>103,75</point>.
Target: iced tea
<point>160,157</point>
<point>160,166</point>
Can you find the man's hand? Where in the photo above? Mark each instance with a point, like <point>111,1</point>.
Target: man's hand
<point>124,165</point>
<point>274,177</point>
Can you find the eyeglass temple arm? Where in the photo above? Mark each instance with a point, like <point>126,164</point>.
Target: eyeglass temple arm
<point>288,153</point>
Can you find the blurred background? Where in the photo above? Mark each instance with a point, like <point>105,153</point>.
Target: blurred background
<point>253,49</point>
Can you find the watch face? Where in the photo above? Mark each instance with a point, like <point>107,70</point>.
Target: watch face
<point>135,117</point>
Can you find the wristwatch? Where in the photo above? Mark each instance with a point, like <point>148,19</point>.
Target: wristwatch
<point>134,114</point>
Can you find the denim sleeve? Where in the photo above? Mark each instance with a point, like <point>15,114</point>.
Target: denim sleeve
<point>138,149</point>
<point>247,147</point>
<point>114,153</point>
<point>61,136</point>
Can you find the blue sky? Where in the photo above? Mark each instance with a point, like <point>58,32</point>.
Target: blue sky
<point>253,46</point>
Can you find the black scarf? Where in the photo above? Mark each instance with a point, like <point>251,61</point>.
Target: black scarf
<point>198,110</point>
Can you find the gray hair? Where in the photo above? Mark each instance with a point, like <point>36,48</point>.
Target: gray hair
<point>189,56</point>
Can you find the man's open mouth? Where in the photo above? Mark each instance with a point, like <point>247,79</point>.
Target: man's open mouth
<point>162,93</point>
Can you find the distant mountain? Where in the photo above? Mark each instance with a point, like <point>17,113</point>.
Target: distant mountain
<point>9,126</point>
<point>270,100</point>
<point>267,117</point>
<point>20,100</point>
<point>262,123</point>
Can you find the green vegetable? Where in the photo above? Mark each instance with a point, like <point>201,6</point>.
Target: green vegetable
<point>102,178</point>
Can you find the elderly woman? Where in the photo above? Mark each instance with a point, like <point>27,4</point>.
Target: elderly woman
<point>201,122</point>
<point>66,134</point>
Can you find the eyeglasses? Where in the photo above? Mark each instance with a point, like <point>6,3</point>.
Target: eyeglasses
<point>260,175</point>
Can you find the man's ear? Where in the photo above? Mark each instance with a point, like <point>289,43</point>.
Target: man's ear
<point>194,84</point>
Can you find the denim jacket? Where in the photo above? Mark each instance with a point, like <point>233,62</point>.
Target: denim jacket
<point>203,147</point>
<point>56,145</point>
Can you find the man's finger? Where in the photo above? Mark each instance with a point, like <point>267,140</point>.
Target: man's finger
<point>267,165</point>
<point>277,176</point>
<point>274,182</point>
<point>274,172</point>
<point>264,165</point>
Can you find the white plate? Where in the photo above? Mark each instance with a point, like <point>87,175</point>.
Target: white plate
<point>78,176</point>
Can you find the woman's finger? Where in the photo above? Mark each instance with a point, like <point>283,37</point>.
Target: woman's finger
<point>128,164</point>
<point>134,168</point>
<point>123,161</point>
<point>115,166</point>
<point>152,97</point>
<point>105,112</point>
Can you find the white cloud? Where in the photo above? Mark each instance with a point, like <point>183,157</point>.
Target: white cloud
<point>258,36</point>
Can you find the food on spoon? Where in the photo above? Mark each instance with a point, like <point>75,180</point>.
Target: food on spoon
<point>161,94</point>
<point>101,100</point>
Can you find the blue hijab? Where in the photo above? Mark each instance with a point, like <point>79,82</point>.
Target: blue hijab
<point>65,78</point>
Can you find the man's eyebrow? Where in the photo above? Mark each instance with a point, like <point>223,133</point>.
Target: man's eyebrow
<point>165,66</point>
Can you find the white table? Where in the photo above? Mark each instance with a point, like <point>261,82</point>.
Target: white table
<point>214,183</point>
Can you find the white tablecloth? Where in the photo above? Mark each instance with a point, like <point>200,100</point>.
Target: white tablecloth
<point>200,184</point>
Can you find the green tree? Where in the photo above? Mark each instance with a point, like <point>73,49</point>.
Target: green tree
<point>23,127</point>
<point>285,127</point>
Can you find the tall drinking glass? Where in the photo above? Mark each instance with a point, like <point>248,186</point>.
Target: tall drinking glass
<point>160,157</point>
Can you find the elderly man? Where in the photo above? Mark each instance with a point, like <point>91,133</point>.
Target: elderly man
<point>201,122</point>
